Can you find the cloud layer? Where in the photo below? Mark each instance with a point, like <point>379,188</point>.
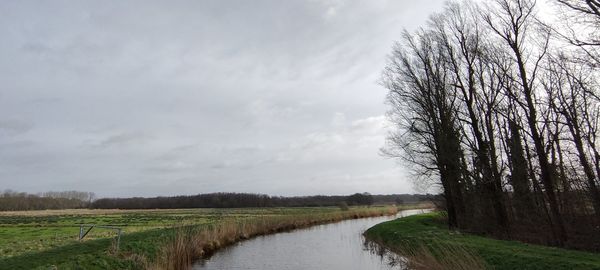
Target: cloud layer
<point>149,98</point>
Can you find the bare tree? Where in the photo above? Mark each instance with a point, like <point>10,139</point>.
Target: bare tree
<point>424,110</point>
<point>512,21</point>
<point>580,25</point>
<point>461,42</point>
<point>571,95</point>
<point>507,128</point>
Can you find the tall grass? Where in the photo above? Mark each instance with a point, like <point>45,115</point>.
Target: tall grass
<point>443,257</point>
<point>192,242</point>
<point>429,256</point>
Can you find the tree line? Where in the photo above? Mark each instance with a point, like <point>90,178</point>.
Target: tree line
<point>21,201</point>
<point>502,110</point>
<point>243,200</point>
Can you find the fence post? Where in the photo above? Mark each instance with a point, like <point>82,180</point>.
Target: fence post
<point>118,238</point>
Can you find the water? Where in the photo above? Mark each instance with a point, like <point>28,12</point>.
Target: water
<point>328,247</point>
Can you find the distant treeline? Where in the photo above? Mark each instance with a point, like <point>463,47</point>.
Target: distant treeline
<point>241,200</point>
<point>21,201</point>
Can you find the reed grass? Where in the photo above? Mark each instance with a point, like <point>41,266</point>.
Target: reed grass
<point>445,257</point>
<point>193,242</point>
<point>431,256</point>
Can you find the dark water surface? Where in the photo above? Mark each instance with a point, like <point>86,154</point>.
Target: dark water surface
<point>328,247</point>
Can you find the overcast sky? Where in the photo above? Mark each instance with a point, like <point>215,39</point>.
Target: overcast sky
<point>146,98</point>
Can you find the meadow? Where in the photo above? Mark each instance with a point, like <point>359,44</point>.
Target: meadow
<point>48,239</point>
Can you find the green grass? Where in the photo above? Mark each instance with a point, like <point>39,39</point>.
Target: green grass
<point>22,232</point>
<point>427,230</point>
<point>48,239</point>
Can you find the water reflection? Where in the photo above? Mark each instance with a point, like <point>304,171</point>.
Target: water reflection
<point>385,255</point>
<point>330,246</point>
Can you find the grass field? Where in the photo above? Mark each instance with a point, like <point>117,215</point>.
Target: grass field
<point>40,230</point>
<point>48,239</point>
<point>426,238</point>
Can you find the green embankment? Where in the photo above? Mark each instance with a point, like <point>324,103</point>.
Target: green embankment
<point>427,231</point>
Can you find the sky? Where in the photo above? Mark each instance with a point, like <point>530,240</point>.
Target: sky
<point>149,98</point>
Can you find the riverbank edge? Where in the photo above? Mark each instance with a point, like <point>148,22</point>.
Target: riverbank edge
<point>425,235</point>
<point>190,245</point>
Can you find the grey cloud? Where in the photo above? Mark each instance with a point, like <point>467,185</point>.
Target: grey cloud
<point>124,139</point>
<point>14,127</point>
<point>218,166</point>
<point>142,98</point>
<point>15,145</point>
<point>36,47</point>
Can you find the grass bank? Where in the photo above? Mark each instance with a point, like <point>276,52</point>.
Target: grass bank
<point>428,244</point>
<point>153,239</point>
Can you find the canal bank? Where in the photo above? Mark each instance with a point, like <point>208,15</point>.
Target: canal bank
<point>330,246</point>
<point>426,240</point>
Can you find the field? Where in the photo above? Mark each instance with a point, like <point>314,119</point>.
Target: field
<point>40,230</point>
<point>426,240</point>
<point>48,239</point>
